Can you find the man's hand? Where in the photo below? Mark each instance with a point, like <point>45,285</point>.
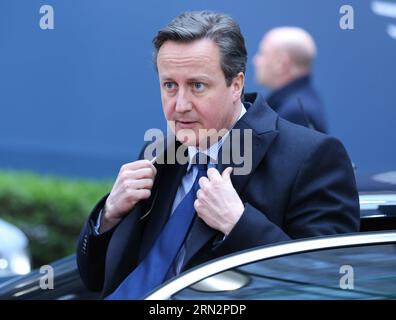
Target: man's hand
<point>218,203</point>
<point>134,183</point>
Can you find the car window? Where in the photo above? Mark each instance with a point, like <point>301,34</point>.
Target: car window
<point>364,272</point>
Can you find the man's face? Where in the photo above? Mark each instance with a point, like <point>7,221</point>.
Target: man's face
<point>265,63</point>
<point>193,90</point>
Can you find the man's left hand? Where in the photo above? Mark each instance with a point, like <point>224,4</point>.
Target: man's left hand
<point>218,203</point>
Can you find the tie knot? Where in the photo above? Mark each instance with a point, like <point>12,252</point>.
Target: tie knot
<point>201,161</point>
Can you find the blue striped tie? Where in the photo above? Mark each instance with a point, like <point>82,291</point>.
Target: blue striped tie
<point>151,272</point>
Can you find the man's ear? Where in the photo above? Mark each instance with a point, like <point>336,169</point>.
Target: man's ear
<point>237,86</point>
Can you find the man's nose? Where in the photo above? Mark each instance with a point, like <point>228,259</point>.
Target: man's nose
<point>183,102</point>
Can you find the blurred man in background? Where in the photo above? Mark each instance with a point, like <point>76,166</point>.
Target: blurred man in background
<point>283,64</point>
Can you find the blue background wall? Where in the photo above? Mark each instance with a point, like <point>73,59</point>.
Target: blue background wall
<point>77,100</point>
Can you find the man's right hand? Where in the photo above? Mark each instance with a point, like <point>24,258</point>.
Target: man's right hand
<point>134,183</point>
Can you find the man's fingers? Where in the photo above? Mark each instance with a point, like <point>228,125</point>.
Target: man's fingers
<point>142,184</point>
<point>143,193</point>
<point>213,174</point>
<point>139,164</point>
<point>227,173</point>
<point>203,182</point>
<point>153,168</point>
<point>144,173</point>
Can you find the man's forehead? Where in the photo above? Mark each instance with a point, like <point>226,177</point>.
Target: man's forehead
<point>200,58</point>
<point>195,51</point>
<point>181,59</point>
<point>190,72</point>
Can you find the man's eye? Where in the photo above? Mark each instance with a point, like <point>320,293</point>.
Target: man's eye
<point>169,85</point>
<point>198,86</point>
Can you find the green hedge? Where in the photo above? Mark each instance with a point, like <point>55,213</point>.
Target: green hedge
<point>50,210</point>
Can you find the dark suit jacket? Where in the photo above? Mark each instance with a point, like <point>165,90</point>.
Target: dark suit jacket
<point>301,185</point>
<point>298,102</point>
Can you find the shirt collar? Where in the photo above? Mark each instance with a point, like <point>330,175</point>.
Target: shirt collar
<point>213,151</point>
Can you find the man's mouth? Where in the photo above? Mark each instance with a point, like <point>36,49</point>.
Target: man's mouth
<point>185,124</point>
